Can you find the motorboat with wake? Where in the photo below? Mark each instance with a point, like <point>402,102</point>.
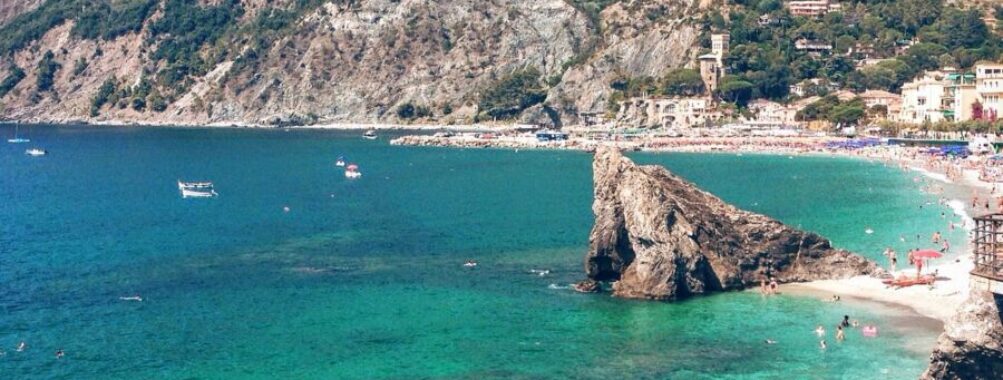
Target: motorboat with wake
<point>35,152</point>
<point>352,171</point>
<point>370,135</point>
<point>196,189</point>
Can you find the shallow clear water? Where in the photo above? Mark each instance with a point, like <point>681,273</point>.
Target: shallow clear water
<point>363,279</point>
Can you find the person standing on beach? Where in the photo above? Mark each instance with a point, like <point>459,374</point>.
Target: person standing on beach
<point>890,254</point>
<point>911,258</point>
<point>945,247</point>
<point>936,237</point>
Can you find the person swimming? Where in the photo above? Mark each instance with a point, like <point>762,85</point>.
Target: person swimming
<point>21,346</point>
<point>820,331</point>
<point>845,322</point>
<point>59,353</point>
<point>840,335</point>
<point>821,344</point>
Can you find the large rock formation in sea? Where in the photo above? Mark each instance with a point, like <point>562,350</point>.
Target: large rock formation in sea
<point>971,346</point>
<point>657,236</point>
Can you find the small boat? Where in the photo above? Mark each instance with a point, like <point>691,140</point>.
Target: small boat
<point>196,189</point>
<point>17,140</point>
<point>340,161</point>
<point>352,171</point>
<point>370,135</point>
<point>35,152</point>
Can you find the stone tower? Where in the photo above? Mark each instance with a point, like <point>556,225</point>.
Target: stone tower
<point>710,71</point>
<point>712,65</point>
<point>719,43</point>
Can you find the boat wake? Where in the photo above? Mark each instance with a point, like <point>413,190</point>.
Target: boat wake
<point>558,287</point>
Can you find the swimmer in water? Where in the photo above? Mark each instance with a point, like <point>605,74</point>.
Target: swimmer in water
<point>21,346</point>
<point>821,344</point>
<point>59,353</point>
<point>820,331</point>
<point>840,335</point>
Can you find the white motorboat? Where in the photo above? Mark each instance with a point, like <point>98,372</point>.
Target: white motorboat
<point>352,171</point>
<point>370,134</point>
<point>196,189</point>
<point>17,140</point>
<point>35,152</point>
<point>340,161</point>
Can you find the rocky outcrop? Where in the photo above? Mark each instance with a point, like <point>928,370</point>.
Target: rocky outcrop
<point>971,346</point>
<point>657,236</point>
<point>351,61</point>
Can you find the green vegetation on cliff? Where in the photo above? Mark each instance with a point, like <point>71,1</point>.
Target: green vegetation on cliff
<point>47,68</point>
<point>512,94</point>
<point>14,76</point>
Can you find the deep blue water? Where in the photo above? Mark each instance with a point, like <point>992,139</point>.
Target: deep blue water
<point>362,279</point>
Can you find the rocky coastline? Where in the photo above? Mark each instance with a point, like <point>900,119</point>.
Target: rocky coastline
<point>971,346</point>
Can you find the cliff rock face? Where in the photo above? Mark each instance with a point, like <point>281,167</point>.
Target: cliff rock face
<point>660,237</point>
<point>971,346</point>
<point>346,60</point>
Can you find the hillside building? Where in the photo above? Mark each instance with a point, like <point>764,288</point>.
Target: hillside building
<point>812,8</point>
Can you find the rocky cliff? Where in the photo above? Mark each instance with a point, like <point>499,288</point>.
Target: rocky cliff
<point>657,236</point>
<point>971,346</point>
<point>315,61</point>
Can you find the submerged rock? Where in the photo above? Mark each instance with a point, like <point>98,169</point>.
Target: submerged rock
<point>658,236</point>
<point>971,346</point>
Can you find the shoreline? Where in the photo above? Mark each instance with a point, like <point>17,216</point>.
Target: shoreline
<point>245,125</point>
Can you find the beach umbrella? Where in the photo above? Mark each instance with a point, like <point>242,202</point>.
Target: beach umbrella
<point>927,254</point>
<point>353,167</point>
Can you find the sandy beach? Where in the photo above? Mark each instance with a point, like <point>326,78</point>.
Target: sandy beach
<point>939,301</point>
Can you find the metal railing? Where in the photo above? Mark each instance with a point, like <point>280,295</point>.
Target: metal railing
<point>989,247</point>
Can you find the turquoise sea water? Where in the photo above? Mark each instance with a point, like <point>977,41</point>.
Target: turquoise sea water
<point>363,279</point>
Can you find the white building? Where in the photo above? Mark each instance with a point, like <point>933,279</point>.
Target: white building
<point>922,99</point>
<point>773,113</point>
<point>812,8</point>
<point>667,112</point>
<point>989,87</point>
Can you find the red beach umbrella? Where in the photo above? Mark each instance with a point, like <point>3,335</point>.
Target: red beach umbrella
<point>353,167</point>
<point>927,254</point>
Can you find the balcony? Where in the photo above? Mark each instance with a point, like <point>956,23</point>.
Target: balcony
<point>988,272</point>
